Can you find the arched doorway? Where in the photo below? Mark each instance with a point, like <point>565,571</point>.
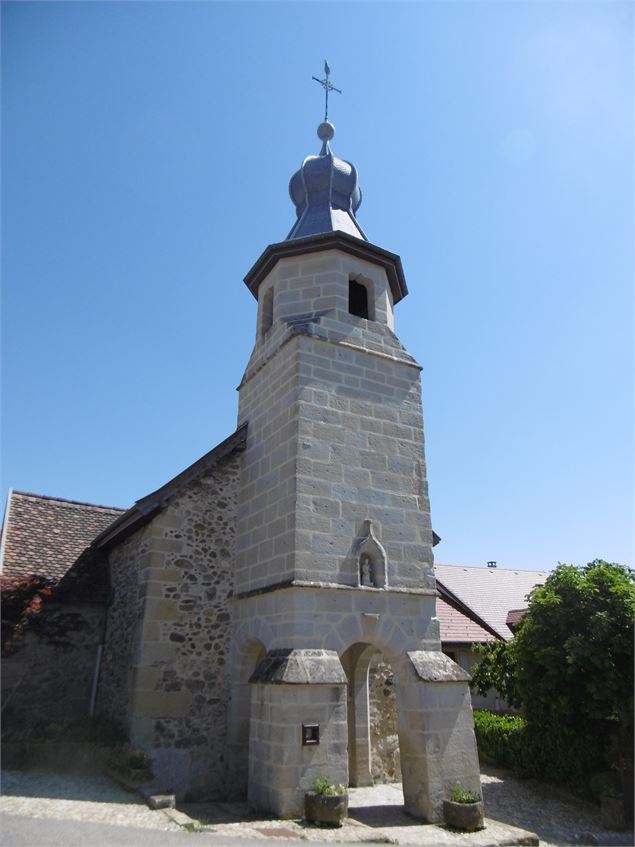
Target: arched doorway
<point>373,742</point>
<point>385,761</point>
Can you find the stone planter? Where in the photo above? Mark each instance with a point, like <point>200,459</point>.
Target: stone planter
<point>329,810</point>
<point>467,816</point>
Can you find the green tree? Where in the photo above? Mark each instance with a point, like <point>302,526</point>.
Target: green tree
<point>497,669</point>
<point>570,668</point>
<point>574,647</point>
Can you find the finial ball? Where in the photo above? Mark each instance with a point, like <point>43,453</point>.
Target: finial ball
<point>326,131</point>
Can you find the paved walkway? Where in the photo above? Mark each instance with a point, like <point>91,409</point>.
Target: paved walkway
<point>375,814</point>
<point>85,797</point>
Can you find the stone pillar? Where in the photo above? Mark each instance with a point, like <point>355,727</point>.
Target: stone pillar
<point>294,692</point>
<point>356,662</point>
<point>244,660</point>
<point>436,732</point>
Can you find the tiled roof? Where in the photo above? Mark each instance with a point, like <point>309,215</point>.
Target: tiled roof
<point>457,628</point>
<point>515,615</point>
<point>45,535</point>
<point>490,592</point>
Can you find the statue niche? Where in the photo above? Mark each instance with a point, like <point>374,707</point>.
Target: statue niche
<point>371,560</point>
<point>366,576</point>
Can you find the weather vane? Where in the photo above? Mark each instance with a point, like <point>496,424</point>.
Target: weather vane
<point>327,85</point>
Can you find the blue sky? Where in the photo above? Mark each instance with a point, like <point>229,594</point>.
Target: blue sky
<point>147,149</point>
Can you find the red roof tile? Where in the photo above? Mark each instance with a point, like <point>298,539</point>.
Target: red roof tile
<point>490,592</point>
<point>45,535</point>
<point>457,628</point>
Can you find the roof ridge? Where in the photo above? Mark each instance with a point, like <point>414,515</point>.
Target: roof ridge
<point>489,570</point>
<point>147,507</point>
<point>68,502</point>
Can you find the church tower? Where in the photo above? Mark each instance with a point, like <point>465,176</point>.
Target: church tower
<point>334,540</point>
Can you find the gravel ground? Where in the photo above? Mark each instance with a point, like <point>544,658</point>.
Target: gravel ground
<point>84,797</point>
<point>556,817</point>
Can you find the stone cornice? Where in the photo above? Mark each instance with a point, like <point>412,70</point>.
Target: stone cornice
<point>304,331</point>
<point>303,584</point>
<point>338,240</point>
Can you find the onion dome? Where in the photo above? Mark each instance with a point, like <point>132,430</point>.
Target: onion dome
<point>325,192</point>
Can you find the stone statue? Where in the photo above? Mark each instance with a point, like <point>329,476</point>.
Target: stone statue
<point>366,568</point>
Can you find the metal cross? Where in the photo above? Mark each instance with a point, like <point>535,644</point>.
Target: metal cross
<point>327,85</point>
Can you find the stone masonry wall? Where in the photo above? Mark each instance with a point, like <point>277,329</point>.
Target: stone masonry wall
<point>361,431</point>
<point>281,768</point>
<point>177,697</point>
<point>49,677</point>
<point>122,629</point>
<point>384,741</point>
<point>265,525</point>
<point>335,436</point>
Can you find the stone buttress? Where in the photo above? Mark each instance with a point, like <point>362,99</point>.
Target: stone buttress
<point>333,536</point>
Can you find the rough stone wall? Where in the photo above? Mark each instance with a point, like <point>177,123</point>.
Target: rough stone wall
<point>180,617</point>
<point>50,675</point>
<point>384,741</point>
<point>122,629</point>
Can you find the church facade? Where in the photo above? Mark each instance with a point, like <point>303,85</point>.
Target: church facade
<point>249,595</point>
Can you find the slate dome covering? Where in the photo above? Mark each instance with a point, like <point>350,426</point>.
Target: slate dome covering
<point>325,192</point>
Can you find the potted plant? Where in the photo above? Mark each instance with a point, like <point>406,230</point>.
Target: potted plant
<point>327,804</point>
<point>464,809</point>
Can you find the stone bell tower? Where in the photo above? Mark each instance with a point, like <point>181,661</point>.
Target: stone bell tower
<point>334,542</point>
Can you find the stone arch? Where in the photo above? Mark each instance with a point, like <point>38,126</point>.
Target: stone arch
<point>356,661</point>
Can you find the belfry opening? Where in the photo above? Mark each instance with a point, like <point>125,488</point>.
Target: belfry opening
<point>357,299</point>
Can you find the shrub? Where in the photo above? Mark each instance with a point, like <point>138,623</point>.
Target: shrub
<point>463,795</point>
<point>500,738</point>
<point>22,599</point>
<point>325,788</point>
<point>574,647</point>
<point>570,666</point>
<point>496,668</point>
<point>557,754</point>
